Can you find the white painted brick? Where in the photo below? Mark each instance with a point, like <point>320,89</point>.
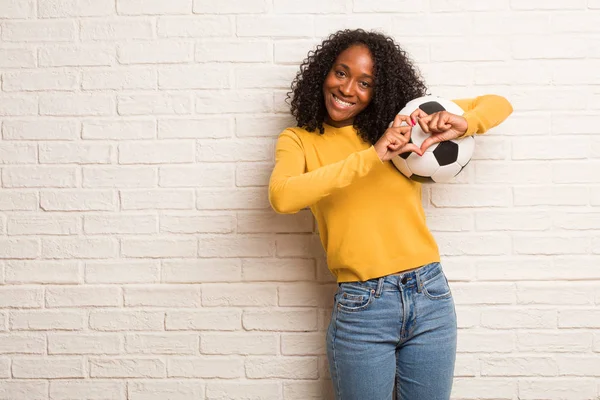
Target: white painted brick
<point>259,77</point>
<point>19,248</point>
<point>160,152</point>
<point>193,77</point>
<point>75,56</point>
<point>230,7</point>
<point>514,220</point>
<point>475,49</point>
<point>212,102</point>
<point>17,8</point>
<point>43,224</point>
<point>48,367</point>
<point>292,269</point>
<point>24,389</point>
<point>556,244</point>
<point>579,318</point>
<point>544,98</point>
<point>309,7</point>
<point>163,296</point>
<point>75,8</point>
<point>574,388</point>
<point>306,295</point>
<point>235,343</point>
<point>487,342</point>
<point>242,198</point>
<point>103,224</point>
<point>134,78</point>
<point>492,172</point>
<point>527,73</point>
<point>83,296</point>
<point>456,244</point>
<point>511,318</point>
<point>129,271</point>
<point>18,153</point>
<point>78,200</point>
<point>73,153</point>
<point>154,7</point>
<point>34,176</point>
<point>163,52</point>
<point>555,195</point>
<point>47,320</point>
<point>576,172</point>
<point>547,5</point>
<point>233,51</point>
<point>575,123</point>
<point>564,147</point>
<point>5,368</point>
<point>545,293</point>
<point>39,31</point>
<point>198,26</point>
<point>201,270</point>
<point>304,390</point>
<point>576,221</point>
<point>96,389</point>
<point>253,173</point>
<point>267,126</point>
<point>16,200</point>
<point>116,29</point>
<point>223,319</point>
<point>40,130</point>
<point>441,221</point>
<point>121,176</point>
<point>127,367</point>
<point>548,47</point>
<point>303,344</point>
<point>198,175</point>
<point>112,320</point>
<point>77,104</point>
<point>165,389</point>
<point>554,341</point>
<point>41,272</point>
<point>23,343</point>
<point>483,293</point>
<point>236,246</point>
<point>246,149</point>
<point>17,57</point>
<point>79,248</point>
<point>182,199</point>
<point>223,390</point>
<point>281,320</point>
<point>161,104</point>
<point>206,367</point>
<point>197,224</point>
<point>158,248</point>
<point>472,196</point>
<point>40,80</point>
<point>518,366</point>
<point>277,26</point>
<point>206,128</point>
<point>248,295</point>
<point>269,222</point>
<point>282,367</point>
<point>119,130</point>
<point>18,105</point>
<point>167,343</point>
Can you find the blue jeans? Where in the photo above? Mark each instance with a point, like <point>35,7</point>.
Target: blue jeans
<point>397,330</point>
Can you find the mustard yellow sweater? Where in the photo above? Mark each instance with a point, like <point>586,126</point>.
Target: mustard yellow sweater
<point>371,221</point>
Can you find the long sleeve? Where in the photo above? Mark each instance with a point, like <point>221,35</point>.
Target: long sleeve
<point>484,112</point>
<point>291,188</point>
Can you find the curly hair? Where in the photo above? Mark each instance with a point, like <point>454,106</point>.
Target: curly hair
<point>397,81</point>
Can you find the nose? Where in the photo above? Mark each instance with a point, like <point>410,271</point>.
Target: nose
<point>347,87</point>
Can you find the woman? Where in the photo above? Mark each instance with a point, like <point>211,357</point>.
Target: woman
<point>393,318</point>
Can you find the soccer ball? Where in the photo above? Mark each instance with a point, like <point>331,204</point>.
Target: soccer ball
<point>442,161</point>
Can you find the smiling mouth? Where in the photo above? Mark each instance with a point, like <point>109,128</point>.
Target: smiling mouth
<point>341,102</point>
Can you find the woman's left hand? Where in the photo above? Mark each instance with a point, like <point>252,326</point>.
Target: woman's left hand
<point>442,126</point>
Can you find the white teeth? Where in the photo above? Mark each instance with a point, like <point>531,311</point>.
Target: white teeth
<point>341,102</point>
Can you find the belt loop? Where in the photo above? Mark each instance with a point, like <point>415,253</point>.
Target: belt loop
<point>419,281</point>
<point>379,286</point>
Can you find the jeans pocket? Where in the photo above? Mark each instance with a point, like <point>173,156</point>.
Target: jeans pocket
<point>437,287</point>
<point>352,298</point>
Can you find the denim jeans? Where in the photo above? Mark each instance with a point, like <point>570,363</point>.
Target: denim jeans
<point>395,331</point>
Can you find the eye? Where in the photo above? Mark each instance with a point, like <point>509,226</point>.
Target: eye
<point>340,74</point>
<point>365,84</point>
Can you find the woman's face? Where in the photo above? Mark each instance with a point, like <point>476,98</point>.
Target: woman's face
<point>348,87</point>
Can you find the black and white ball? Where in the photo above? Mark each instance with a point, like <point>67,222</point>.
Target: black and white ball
<point>442,161</point>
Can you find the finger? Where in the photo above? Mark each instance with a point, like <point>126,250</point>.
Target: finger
<point>424,123</point>
<point>411,147</point>
<point>399,119</point>
<point>433,123</point>
<point>418,113</point>
<point>444,122</point>
<point>429,142</point>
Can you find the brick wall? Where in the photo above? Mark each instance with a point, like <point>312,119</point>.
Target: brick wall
<point>139,258</point>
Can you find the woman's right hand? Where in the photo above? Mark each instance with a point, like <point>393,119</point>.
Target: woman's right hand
<point>395,140</point>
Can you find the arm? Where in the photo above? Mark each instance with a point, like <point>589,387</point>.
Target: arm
<point>484,112</point>
<point>291,188</point>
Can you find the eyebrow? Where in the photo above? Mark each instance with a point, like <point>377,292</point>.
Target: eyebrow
<point>362,76</point>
